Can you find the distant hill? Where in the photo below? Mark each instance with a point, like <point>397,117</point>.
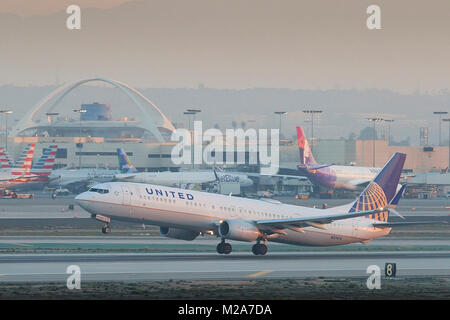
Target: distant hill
<point>344,111</point>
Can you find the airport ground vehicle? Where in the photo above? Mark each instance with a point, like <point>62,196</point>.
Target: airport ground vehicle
<point>60,193</point>
<point>8,194</point>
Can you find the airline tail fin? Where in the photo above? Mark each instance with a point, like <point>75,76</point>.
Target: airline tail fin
<point>306,156</point>
<point>44,166</point>
<point>20,160</point>
<point>5,162</point>
<point>125,165</point>
<point>25,160</point>
<point>382,191</point>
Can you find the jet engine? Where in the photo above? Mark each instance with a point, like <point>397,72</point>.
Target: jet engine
<point>238,229</point>
<point>175,233</point>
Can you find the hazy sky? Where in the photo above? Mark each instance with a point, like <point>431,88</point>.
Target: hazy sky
<point>229,44</point>
<point>46,7</point>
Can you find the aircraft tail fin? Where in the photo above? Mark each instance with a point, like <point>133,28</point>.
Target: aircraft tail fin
<point>44,166</point>
<point>382,190</point>
<point>20,160</point>
<point>125,165</point>
<point>306,156</point>
<point>23,166</point>
<point>5,163</point>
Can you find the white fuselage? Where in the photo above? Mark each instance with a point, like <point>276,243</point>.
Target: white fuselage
<point>11,178</point>
<point>203,212</point>
<point>63,177</point>
<point>350,177</point>
<point>168,178</point>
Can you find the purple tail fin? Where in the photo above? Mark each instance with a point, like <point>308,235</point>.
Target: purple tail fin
<point>306,156</point>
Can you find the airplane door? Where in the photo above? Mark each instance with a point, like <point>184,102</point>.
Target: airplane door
<point>234,213</point>
<point>355,230</point>
<point>127,193</point>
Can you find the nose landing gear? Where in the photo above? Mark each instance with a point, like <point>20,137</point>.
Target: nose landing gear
<point>106,228</point>
<point>224,248</point>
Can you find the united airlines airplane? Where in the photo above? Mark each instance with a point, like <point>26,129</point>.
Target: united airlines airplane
<point>185,214</point>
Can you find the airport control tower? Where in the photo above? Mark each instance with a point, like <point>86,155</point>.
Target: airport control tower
<point>96,112</point>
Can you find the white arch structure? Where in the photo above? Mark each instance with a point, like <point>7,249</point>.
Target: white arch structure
<point>146,122</point>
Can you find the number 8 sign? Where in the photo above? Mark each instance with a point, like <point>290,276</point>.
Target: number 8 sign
<point>390,269</point>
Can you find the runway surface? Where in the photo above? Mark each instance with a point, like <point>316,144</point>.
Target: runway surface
<point>207,266</point>
<point>206,241</point>
<point>425,256</point>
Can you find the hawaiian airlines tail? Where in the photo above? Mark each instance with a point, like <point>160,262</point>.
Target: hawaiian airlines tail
<point>125,165</point>
<point>307,160</point>
<point>306,156</point>
<point>382,191</point>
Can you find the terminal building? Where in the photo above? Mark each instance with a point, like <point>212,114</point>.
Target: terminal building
<point>91,136</point>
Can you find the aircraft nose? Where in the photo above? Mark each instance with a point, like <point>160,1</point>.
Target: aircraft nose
<point>82,199</point>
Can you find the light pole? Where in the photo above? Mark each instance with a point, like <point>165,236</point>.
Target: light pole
<point>389,121</point>
<point>192,112</point>
<point>280,113</point>
<point>440,113</point>
<point>448,165</point>
<point>374,120</point>
<point>80,111</point>
<point>6,112</point>
<point>312,113</point>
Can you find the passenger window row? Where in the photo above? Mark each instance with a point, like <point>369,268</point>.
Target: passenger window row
<point>102,191</point>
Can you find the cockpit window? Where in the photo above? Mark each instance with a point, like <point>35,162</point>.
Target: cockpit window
<point>101,191</point>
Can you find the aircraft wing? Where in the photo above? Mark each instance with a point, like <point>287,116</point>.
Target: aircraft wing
<point>404,224</point>
<point>315,221</point>
<point>68,182</point>
<point>301,178</point>
<point>124,176</point>
<point>279,175</point>
<point>314,167</point>
<point>23,176</point>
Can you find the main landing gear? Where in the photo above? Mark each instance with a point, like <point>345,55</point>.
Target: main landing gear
<point>106,228</point>
<point>259,249</point>
<point>224,248</point>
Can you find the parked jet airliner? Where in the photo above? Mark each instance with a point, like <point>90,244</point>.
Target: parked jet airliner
<point>13,177</point>
<point>21,173</point>
<point>330,175</point>
<point>184,214</point>
<point>168,178</point>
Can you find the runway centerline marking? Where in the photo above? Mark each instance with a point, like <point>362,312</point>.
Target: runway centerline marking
<point>21,244</point>
<point>257,274</point>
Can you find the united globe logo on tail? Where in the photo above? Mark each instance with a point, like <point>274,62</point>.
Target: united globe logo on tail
<point>382,190</point>
<point>372,198</point>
